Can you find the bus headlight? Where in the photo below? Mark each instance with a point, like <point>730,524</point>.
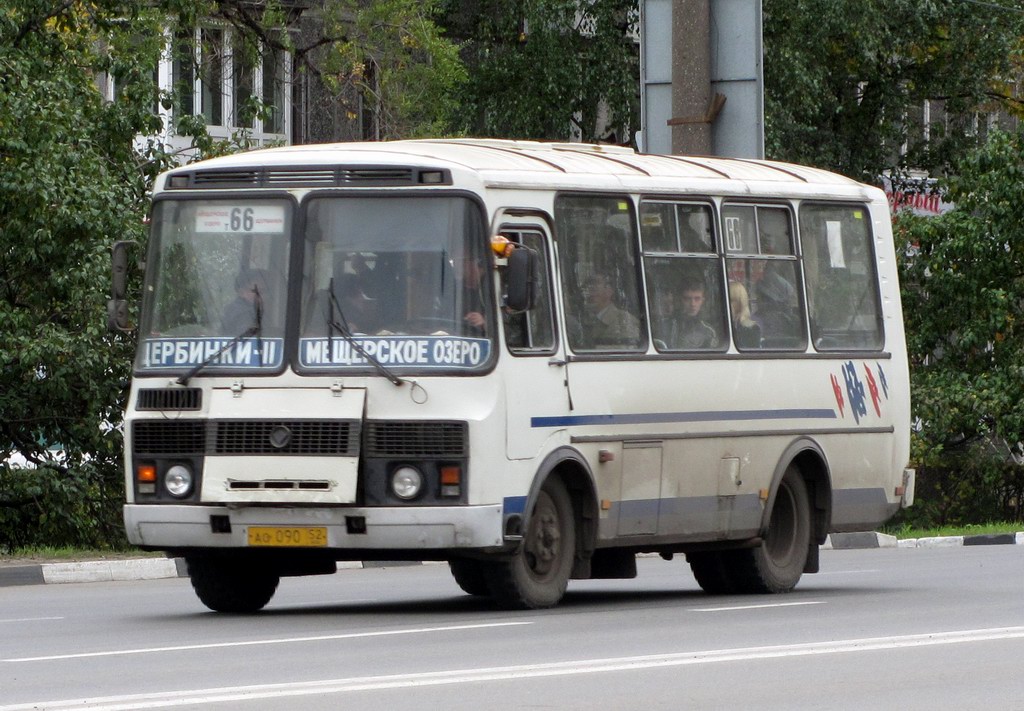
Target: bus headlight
<point>406,482</point>
<point>178,481</point>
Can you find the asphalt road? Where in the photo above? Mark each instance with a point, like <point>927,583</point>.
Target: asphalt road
<point>877,629</point>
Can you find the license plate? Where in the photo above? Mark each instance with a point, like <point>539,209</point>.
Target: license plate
<point>288,536</point>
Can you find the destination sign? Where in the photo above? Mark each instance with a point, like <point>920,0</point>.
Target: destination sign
<point>187,352</point>
<point>394,351</point>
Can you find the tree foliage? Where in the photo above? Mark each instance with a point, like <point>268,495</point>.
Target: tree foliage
<point>963,287</point>
<point>843,79</point>
<point>396,57</point>
<point>75,170</point>
<point>70,184</point>
<point>548,69</point>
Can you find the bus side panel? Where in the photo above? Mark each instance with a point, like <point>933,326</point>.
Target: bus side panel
<point>719,429</point>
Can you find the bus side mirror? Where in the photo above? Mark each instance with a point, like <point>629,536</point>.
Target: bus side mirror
<point>117,306</point>
<point>519,279</point>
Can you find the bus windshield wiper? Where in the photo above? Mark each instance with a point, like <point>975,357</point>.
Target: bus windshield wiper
<point>341,326</point>
<point>255,330</point>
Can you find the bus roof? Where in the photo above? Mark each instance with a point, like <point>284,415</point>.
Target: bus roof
<point>506,163</point>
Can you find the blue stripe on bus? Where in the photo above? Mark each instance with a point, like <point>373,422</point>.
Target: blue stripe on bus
<point>645,418</point>
<point>513,504</point>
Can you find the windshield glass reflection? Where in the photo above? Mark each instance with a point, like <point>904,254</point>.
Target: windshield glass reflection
<point>218,274</point>
<point>405,277</point>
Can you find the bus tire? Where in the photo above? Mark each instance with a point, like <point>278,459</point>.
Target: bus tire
<point>538,574</point>
<point>230,586</point>
<point>470,576</point>
<point>712,570</point>
<point>776,565</point>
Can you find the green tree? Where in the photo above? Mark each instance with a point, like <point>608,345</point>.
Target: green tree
<point>396,57</point>
<point>549,69</point>
<point>388,56</point>
<point>963,290</point>
<point>74,178</point>
<point>71,183</point>
<point>843,77</point>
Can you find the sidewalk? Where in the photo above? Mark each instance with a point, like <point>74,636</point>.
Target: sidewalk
<point>154,568</point>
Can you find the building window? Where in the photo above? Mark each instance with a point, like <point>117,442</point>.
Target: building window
<point>210,74</point>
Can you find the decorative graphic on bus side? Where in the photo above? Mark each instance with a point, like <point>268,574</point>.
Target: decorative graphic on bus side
<point>856,393</point>
<point>187,352</point>
<point>392,351</point>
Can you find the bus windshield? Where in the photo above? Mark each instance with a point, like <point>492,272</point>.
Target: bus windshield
<point>216,285</point>
<point>399,280</point>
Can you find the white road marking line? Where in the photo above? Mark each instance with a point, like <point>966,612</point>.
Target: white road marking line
<point>30,619</point>
<point>757,607</point>
<point>468,676</point>
<point>263,642</point>
<point>846,572</point>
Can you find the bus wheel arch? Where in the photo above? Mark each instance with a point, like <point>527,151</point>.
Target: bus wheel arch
<point>807,457</point>
<point>558,536</point>
<point>569,466</point>
<point>795,522</point>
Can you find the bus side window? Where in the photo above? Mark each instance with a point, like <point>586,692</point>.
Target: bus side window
<point>533,330</point>
<point>597,246</point>
<point>684,277</point>
<point>764,277</point>
<point>839,266</point>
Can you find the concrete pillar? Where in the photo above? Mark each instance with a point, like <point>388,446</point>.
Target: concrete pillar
<point>691,77</point>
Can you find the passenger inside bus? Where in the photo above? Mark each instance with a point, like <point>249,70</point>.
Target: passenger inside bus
<point>473,270</point>
<point>604,323</point>
<point>777,309</point>
<point>745,330</point>
<point>251,296</point>
<point>682,328</point>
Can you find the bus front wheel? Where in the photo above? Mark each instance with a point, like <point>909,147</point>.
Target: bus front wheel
<point>470,576</point>
<point>538,574</point>
<point>225,585</point>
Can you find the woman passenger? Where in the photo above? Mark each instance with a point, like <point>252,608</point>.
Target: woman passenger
<point>745,330</point>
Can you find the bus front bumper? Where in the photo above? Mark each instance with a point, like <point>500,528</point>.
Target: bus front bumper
<point>424,528</point>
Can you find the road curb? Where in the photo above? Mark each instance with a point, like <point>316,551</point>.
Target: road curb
<point>105,571</point>
<point>99,571</point>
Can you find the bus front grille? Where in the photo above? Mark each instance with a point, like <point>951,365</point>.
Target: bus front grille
<point>169,399</point>
<point>180,437</point>
<point>246,437</point>
<point>316,437</point>
<point>416,439</point>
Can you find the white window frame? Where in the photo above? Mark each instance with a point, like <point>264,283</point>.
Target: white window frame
<point>257,133</point>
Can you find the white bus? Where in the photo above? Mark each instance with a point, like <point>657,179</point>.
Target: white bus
<point>532,361</point>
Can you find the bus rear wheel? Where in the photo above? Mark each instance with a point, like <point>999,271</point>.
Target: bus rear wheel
<point>225,585</point>
<point>776,565</point>
<point>538,574</point>
<point>713,571</point>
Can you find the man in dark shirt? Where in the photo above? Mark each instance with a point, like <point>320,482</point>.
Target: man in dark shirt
<point>685,330</point>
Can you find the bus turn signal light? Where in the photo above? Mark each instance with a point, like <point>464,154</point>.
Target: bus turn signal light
<point>451,481</point>
<point>145,477</point>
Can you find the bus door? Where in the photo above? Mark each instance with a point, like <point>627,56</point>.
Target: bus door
<point>533,364</point>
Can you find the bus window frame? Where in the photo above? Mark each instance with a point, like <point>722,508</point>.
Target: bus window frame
<point>716,254</point>
<point>794,257</point>
<point>543,228</point>
<point>644,345</point>
<point>875,279</point>
<point>294,323</point>
<point>151,267</point>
